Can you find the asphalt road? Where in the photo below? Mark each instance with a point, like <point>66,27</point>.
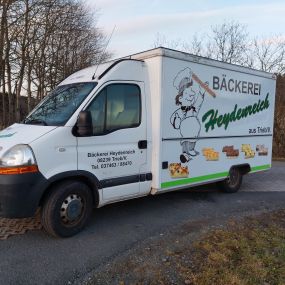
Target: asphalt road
<point>35,258</point>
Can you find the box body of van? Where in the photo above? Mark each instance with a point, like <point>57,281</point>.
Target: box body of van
<point>152,122</point>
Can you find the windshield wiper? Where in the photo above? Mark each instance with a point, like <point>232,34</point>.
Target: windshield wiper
<point>36,122</point>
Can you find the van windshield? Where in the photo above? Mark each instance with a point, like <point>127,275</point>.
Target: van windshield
<point>57,107</point>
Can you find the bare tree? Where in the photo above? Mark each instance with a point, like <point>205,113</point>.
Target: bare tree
<point>42,42</point>
<point>269,54</point>
<point>161,41</point>
<point>228,42</point>
<point>196,46</point>
<point>3,23</point>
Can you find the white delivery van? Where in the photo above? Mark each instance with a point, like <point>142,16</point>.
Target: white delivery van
<point>156,121</point>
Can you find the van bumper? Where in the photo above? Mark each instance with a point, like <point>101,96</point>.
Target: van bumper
<point>20,194</point>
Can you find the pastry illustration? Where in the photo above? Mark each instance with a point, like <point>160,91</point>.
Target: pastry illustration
<point>248,151</point>
<point>176,170</point>
<point>230,151</point>
<point>210,154</point>
<point>262,150</point>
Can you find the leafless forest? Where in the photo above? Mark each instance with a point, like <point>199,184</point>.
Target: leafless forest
<point>44,41</point>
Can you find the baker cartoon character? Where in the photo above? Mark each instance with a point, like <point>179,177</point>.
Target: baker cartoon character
<point>190,97</point>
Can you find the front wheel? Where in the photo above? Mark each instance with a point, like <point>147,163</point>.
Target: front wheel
<point>67,209</point>
<point>233,182</point>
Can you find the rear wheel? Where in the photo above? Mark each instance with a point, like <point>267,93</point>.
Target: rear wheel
<point>67,209</point>
<point>233,182</point>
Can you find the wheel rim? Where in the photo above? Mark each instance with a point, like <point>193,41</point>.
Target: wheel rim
<point>72,209</point>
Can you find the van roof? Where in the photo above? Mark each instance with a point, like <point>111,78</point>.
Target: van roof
<point>95,72</point>
<point>176,54</point>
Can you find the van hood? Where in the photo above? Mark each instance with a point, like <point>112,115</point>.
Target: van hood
<point>21,134</point>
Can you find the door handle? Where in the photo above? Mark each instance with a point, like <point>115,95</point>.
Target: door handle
<point>142,144</point>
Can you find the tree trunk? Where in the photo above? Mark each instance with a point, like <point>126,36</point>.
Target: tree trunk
<point>4,121</point>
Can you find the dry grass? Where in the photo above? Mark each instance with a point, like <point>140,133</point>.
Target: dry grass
<point>248,252</point>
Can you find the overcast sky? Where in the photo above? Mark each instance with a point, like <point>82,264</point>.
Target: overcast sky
<point>138,22</point>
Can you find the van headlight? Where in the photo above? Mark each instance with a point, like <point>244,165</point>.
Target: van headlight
<point>18,160</point>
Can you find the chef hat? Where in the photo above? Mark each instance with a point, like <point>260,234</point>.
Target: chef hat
<point>182,79</point>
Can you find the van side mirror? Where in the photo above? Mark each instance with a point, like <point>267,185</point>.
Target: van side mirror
<point>83,127</point>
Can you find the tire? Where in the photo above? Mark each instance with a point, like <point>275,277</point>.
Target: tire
<point>233,182</point>
<point>67,209</point>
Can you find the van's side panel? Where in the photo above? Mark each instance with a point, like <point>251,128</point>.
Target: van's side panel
<point>213,118</point>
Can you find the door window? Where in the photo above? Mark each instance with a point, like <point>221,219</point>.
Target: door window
<point>117,106</point>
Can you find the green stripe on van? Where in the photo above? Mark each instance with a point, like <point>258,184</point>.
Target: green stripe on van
<point>197,179</point>
<point>261,167</point>
<point>194,179</point>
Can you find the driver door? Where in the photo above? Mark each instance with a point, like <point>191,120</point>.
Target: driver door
<point>114,153</point>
